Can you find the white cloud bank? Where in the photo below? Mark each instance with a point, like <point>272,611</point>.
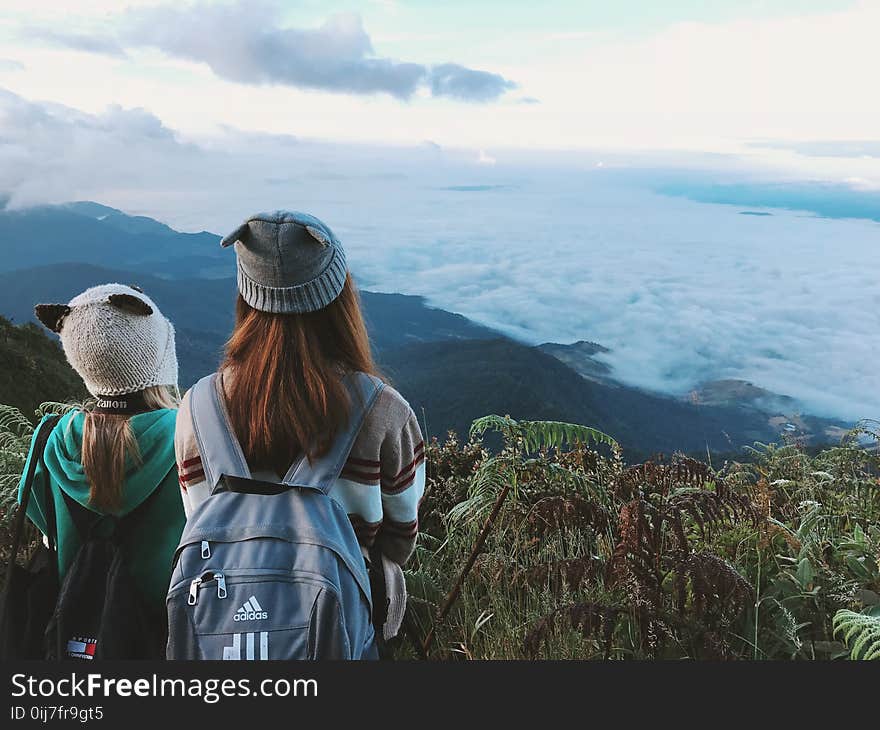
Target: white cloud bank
<point>680,291</point>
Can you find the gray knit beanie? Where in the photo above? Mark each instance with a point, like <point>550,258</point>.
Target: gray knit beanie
<point>116,338</point>
<point>287,262</point>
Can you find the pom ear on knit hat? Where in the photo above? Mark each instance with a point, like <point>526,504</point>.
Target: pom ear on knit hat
<point>288,262</point>
<point>130,303</point>
<point>116,338</point>
<point>52,315</point>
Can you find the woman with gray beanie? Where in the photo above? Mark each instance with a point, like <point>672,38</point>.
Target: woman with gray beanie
<point>116,454</point>
<point>298,332</point>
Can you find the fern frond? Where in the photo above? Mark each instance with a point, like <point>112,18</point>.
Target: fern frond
<point>861,633</point>
<point>14,421</point>
<point>12,442</point>
<point>555,434</point>
<point>541,434</point>
<point>501,424</point>
<point>56,408</point>
<point>489,480</point>
<point>8,481</point>
<point>867,429</point>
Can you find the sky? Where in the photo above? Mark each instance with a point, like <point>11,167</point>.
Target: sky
<point>504,159</point>
<point>634,74</point>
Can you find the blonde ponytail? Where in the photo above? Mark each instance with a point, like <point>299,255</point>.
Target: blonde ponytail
<point>108,443</point>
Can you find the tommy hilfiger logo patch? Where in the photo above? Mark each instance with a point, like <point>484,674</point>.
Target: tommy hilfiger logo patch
<point>250,611</point>
<point>80,647</point>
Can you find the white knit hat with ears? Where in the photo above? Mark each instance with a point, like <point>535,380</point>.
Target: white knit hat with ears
<point>116,338</point>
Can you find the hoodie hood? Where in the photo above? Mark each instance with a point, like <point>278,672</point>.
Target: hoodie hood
<point>154,432</point>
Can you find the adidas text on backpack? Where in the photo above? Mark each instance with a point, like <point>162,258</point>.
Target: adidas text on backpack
<point>250,611</point>
<point>265,570</point>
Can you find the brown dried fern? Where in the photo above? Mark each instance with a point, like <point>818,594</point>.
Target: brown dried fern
<point>591,620</point>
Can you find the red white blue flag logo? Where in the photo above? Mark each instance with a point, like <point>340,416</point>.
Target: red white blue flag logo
<point>81,648</point>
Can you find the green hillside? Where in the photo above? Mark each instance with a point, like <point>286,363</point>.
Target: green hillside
<point>33,369</point>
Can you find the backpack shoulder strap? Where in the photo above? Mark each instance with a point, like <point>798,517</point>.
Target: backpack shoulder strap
<point>125,525</point>
<point>321,474</point>
<point>85,520</point>
<point>220,451</point>
<point>39,444</point>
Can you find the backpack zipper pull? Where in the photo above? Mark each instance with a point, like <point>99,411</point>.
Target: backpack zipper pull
<point>206,550</point>
<point>197,583</point>
<point>194,591</point>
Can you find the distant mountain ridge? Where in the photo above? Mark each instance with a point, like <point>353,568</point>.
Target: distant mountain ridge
<point>135,224</point>
<point>86,232</point>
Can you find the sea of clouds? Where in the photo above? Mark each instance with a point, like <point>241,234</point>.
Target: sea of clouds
<point>680,291</point>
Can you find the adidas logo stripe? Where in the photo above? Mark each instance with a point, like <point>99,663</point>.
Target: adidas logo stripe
<point>250,611</point>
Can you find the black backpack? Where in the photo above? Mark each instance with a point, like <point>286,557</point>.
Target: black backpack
<point>100,611</point>
<point>30,592</point>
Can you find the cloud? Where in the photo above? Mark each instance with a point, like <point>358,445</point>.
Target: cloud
<point>862,184</point>
<point>50,153</point>
<point>248,43</point>
<point>485,159</point>
<point>827,148</point>
<point>680,291</point>
<point>466,84</point>
<point>78,41</point>
<point>10,64</point>
<point>704,85</point>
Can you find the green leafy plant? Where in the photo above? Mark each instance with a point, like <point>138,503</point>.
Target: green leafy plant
<point>16,432</point>
<point>15,438</point>
<point>587,557</point>
<point>861,632</point>
<point>499,476</point>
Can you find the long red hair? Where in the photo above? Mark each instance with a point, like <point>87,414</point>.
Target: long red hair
<point>285,395</point>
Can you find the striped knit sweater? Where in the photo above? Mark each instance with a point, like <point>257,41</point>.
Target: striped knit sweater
<point>381,484</point>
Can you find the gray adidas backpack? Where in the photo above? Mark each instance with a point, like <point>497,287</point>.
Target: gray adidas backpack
<point>269,571</point>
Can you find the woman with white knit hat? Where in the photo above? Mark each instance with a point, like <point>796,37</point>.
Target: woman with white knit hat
<point>117,453</point>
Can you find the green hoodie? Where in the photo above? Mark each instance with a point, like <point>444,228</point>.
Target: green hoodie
<point>150,547</point>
